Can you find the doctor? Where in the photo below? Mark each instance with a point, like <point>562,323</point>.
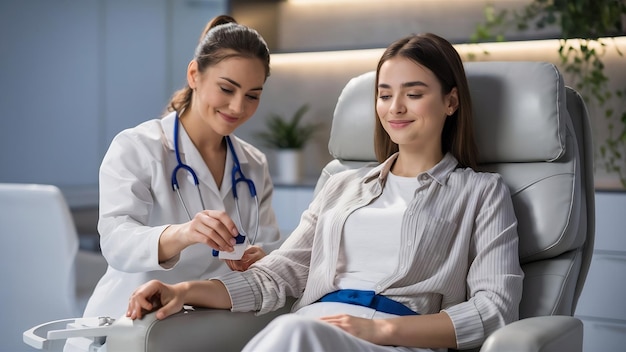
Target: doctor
<point>167,199</point>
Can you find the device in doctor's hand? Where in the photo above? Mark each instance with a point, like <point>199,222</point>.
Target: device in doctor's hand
<point>240,248</point>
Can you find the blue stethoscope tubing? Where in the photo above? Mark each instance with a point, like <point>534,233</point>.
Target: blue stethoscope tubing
<point>236,175</point>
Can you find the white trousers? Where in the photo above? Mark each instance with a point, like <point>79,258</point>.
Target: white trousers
<point>303,332</point>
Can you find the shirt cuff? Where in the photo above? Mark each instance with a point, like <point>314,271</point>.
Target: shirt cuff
<point>156,237</point>
<point>467,325</point>
<point>170,263</point>
<point>244,296</point>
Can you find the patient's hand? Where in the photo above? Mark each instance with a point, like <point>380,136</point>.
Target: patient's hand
<point>250,256</point>
<point>168,299</point>
<point>366,329</point>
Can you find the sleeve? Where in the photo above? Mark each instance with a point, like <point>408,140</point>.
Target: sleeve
<point>494,279</point>
<point>126,202</point>
<point>265,286</point>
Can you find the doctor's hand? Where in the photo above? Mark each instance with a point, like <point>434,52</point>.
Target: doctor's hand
<point>211,227</point>
<point>168,299</point>
<point>250,256</point>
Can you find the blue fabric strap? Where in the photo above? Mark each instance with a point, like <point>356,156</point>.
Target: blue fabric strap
<point>368,299</point>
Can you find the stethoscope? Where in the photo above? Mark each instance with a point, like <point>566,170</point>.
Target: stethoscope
<point>236,177</point>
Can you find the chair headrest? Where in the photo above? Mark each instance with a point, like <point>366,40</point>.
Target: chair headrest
<point>352,130</point>
<point>517,113</point>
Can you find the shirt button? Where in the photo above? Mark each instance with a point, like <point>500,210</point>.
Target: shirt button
<point>410,212</point>
<point>378,287</point>
<point>424,177</point>
<point>409,243</point>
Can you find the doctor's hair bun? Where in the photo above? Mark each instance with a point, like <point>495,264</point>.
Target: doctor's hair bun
<point>222,36</point>
<point>217,21</point>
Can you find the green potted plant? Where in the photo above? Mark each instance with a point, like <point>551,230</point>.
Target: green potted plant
<point>288,137</point>
<point>583,23</point>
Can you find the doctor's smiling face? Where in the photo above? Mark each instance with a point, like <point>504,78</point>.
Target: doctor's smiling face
<point>226,94</point>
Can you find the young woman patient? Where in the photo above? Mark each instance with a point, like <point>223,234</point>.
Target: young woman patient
<point>418,253</point>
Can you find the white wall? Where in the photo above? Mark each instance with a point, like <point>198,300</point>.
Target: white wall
<point>601,306</point>
<point>50,85</point>
<point>73,73</point>
<point>338,25</point>
<point>76,72</point>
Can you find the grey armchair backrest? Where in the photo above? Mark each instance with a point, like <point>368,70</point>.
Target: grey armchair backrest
<point>535,132</point>
<point>40,244</point>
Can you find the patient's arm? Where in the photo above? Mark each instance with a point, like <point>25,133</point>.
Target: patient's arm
<point>169,299</point>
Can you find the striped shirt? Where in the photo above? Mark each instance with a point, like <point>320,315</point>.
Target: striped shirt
<point>458,250</point>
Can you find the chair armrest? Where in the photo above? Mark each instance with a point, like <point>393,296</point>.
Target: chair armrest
<point>201,330</point>
<point>541,334</point>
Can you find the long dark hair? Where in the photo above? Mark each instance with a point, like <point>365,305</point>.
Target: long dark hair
<point>222,38</point>
<point>440,57</point>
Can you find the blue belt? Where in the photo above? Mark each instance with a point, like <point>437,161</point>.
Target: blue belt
<point>368,299</point>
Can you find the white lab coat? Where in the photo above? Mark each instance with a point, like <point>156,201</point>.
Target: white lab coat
<point>137,203</point>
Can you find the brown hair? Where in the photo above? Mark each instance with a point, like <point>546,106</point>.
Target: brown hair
<point>440,57</point>
<point>222,38</point>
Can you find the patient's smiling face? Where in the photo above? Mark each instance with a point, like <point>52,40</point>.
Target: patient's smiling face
<point>410,104</point>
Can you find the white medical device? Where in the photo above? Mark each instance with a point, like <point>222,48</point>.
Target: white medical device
<point>90,334</point>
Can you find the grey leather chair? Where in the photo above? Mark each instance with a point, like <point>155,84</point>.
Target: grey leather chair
<point>531,129</point>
